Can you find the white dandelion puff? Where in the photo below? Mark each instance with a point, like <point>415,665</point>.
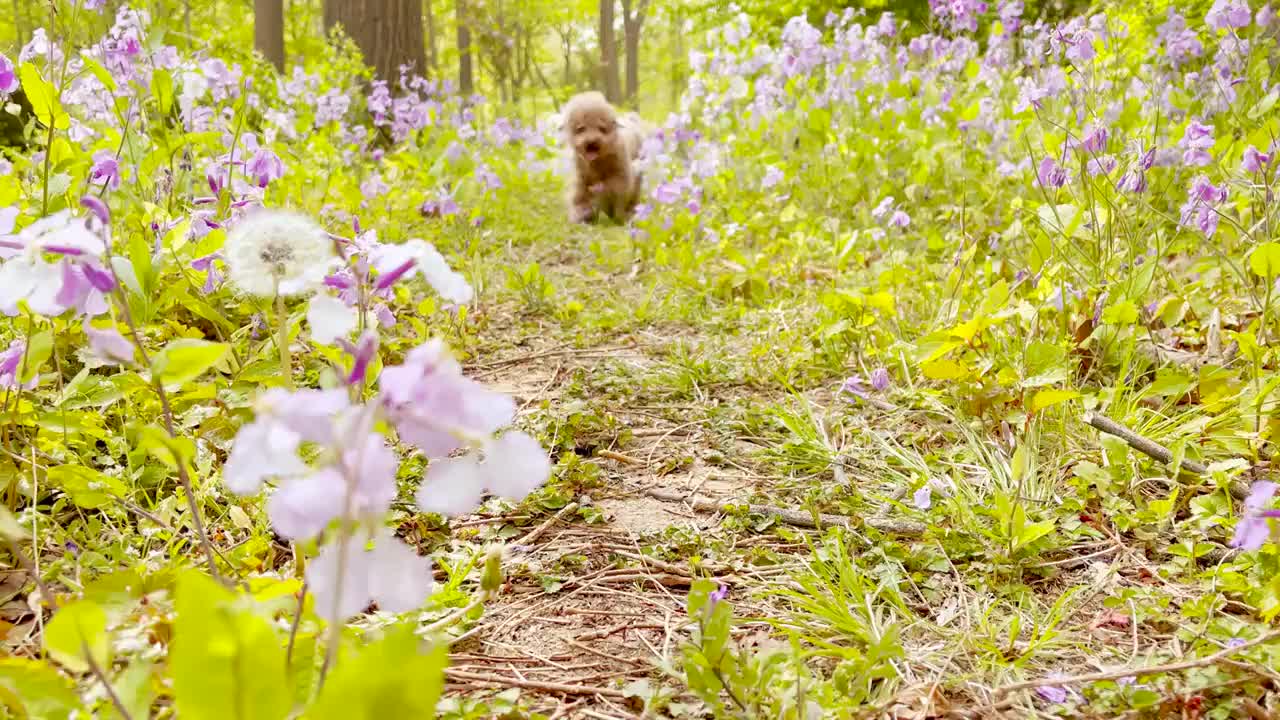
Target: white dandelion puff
<point>277,251</point>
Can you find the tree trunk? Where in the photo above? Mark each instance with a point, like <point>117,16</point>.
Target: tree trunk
<point>466,83</point>
<point>388,33</point>
<point>429,16</point>
<point>608,53</point>
<point>268,30</point>
<point>566,41</point>
<point>632,24</point>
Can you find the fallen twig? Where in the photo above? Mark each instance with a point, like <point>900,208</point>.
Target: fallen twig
<point>1206,661</point>
<point>1155,450</point>
<point>533,684</point>
<point>627,459</point>
<point>537,532</point>
<point>797,518</point>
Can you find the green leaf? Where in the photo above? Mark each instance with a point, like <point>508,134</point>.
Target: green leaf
<point>86,487</point>
<point>43,98</point>
<point>1049,398</point>
<point>1264,105</point>
<point>1033,532</point>
<point>39,348</point>
<point>226,660</point>
<point>100,72</point>
<point>186,359</point>
<point>944,370</point>
<point>1122,313</point>
<point>37,689</point>
<point>1265,260</point>
<point>135,691</point>
<point>9,525</point>
<point>162,88</point>
<point>75,628</point>
<point>391,678</point>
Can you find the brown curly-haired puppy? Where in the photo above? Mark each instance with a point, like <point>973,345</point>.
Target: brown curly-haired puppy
<point>605,147</point>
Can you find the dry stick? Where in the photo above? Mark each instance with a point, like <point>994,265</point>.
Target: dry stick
<point>31,569</point>
<point>624,459</point>
<point>1213,659</point>
<point>793,517</point>
<point>537,532</point>
<point>1155,450</point>
<point>97,671</point>
<point>534,684</point>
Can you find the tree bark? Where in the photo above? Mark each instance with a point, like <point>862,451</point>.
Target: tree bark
<point>609,53</point>
<point>466,82</point>
<point>268,30</point>
<point>428,14</point>
<point>632,24</point>
<point>388,33</point>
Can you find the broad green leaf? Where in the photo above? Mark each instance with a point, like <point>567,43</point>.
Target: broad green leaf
<point>186,359</point>
<point>1122,313</point>
<point>135,690</point>
<point>75,629</point>
<point>1265,260</point>
<point>9,525</point>
<point>1018,464</point>
<point>168,450</point>
<point>944,370</point>
<point>99,72</point>
<point>1033,532</point>
<point>43,98</point>
<point>226,660</point>
<point>86,487</point>
<point>162,88</point>
<point>1264,105</point>
<point>39,348</point>
<point>1049,398</point>
<point>393,678</point>
<point>37,689</point>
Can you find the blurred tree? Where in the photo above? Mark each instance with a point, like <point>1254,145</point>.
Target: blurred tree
<point>632,23</point>
<point>609,53</point>
<point>466,81</point>
<point>388,32</point>
<point>268,30</point>
<point>429,18</point>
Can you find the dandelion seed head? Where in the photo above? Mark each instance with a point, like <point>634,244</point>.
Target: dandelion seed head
<point>272,251</point>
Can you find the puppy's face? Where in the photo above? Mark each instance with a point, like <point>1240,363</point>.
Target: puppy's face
<point>593,130</point>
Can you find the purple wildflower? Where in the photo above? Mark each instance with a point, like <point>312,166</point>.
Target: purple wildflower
<point>8,75</point>
<point>106,169</point>
<point>1252,530</point>
<point>1255,161</point>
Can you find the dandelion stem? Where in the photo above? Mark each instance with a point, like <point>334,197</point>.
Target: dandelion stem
<point>286,359</point>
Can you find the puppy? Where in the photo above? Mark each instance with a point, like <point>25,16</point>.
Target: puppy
<point>606,180</point>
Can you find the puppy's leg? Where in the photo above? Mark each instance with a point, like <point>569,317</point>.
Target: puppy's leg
<point>581,207</point>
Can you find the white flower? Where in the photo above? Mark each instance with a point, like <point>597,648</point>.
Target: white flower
<point>262,449</point>
<point>515,465</point>
<point>399,578</point>
<point>391,574</point>
<point>451,487</point>
<point>277,250</point>
<point>428,261</point>
<point>330,318</point>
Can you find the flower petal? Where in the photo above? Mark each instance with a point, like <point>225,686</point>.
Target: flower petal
<point>399,578</point>
<point>330,318</point>
<point>451,487</point>
<point>515,464</point>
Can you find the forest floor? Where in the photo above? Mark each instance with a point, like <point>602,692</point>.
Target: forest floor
<point>674,407</point>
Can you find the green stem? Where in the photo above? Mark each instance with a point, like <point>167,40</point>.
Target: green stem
<point>286,358</point>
